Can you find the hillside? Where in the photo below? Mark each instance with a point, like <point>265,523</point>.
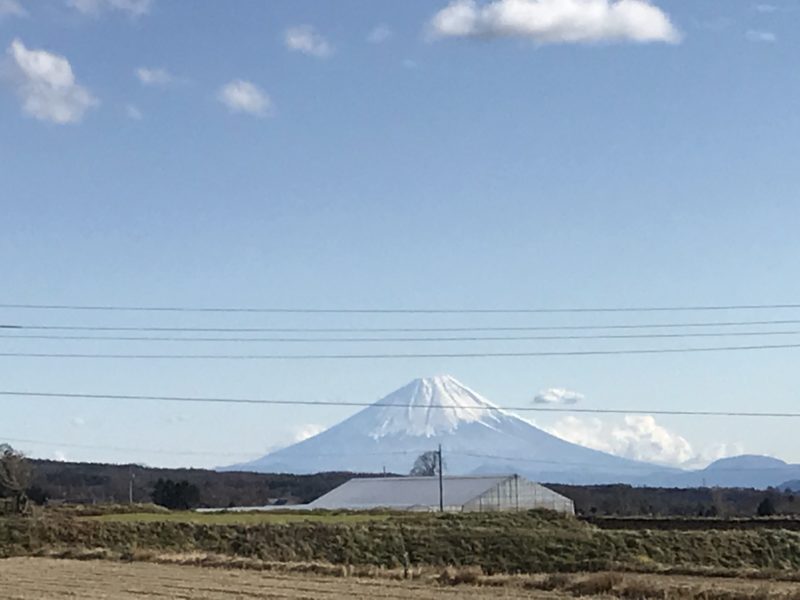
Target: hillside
<point>746,471</point>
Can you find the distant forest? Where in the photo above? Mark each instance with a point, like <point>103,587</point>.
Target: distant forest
<point>90,483</point>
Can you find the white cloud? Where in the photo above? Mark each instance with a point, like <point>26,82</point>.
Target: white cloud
<point>11,8</point>
<point>154,76</point>
<point>556,21</point>
<point>305,39</point>
<point>558,396</point>
<point>379,34</point>
<point>78,421</point>
<point>60,456</point>
<point>306,431</point>
<point>135,8</point>
<point>245,97</point>
<point>764,37</point>
<point>638,437</point>
<point>295,435</point>
<point>715,452</point>
<point>132,112</point>
<point>46,85</point>
<point>766,8</point>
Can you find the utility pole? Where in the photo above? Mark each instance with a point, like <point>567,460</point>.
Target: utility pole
<point>441,480</point>
<point>130,487</point>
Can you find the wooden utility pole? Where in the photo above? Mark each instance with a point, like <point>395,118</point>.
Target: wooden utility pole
<point>441,480</point>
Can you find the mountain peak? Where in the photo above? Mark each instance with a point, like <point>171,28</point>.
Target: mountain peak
<point>477,436</point>
<point>430,406</point>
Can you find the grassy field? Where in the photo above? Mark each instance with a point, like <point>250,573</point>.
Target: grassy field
<point>48,579</point>
<point>239,518</point>
<point>497,543</point>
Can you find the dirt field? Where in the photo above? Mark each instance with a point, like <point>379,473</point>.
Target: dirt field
<point>50,579</point>
<point>46,579</point>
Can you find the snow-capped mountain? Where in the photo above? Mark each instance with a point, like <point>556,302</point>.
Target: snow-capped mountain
<point>476,437</point>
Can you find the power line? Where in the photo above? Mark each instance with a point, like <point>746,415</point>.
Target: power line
<point>323,403</point>
<point>101,328</point>
<point>285,310</point>
<point>505,338</point>
<point>298,357</point>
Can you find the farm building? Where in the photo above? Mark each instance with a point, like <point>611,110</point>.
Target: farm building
<point>459,494</point>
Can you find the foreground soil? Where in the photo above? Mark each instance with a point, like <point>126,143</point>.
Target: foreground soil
<point>46,579</point>
<point>56,579</point>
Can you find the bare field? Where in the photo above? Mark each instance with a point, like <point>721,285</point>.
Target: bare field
<point>46,579</point>
<point>52,579</point>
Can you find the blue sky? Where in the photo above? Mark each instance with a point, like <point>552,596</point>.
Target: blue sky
<point>381,154</point>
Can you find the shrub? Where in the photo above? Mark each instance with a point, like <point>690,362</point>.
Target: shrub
<point>766,508</point>
<point>641,589</point>
<point>556,581</point>
<point>598,584</point>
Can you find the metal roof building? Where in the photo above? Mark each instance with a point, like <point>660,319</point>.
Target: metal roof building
<point>459,494</point>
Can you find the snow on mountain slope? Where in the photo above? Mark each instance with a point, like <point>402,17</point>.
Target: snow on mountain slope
<point>476,435</point>
<point>416,409</point>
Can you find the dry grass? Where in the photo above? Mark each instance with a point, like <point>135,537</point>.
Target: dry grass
<point>237,518</point>
<point>661,587</point>
<point>461,576</point>
<point>187,576</point>
<point>45,579</point>
<point>597,584</point>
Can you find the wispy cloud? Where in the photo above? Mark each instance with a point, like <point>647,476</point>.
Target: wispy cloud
<point>555,21</point>
<point>558,396</point>
<point>304,432</point>
<point>47,87</point>
<point>135,8</point>
<point>242,96</point>
<point>715,24</point>
<point>379,34</point>
<point>305,39</point>
<point>765,8</point>
<point>763,37</point>
<point>132,112</point>
<point>154,76</point>
<point>11,8</point>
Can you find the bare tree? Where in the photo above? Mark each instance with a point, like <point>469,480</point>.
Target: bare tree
<point>426,465</point>
<point>15,475</point>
